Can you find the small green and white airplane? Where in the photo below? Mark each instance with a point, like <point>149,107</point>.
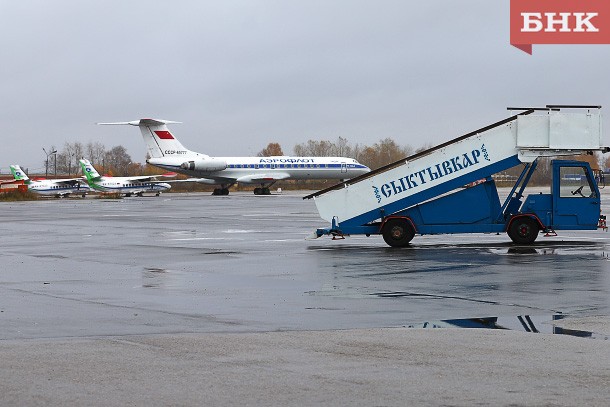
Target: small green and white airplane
<point>123,185</point>
<point>51,187</point>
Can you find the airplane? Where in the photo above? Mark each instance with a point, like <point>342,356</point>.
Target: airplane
<point>165,151</point>
<point>124,185</point>
<point>12,182</point>
<point>53,187</point>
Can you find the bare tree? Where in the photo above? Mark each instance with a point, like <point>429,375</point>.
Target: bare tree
<point>117,161</point>
<point>67,159</point>
<point>384,152</point>
<point>79,151</point>
<point>94,152</point>
<point>313,148</point>
<point>272,149</point>
<point>341,148</point>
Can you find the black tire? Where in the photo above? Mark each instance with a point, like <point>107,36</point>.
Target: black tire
<point>523,230</point>
<point>398,232</point>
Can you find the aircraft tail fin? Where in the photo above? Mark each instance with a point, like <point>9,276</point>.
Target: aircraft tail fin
<point>90,172</point>
<point>19,174</point>
<point>160,142</point>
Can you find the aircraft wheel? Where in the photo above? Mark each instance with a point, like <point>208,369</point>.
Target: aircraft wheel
<point>216,191</point>
<point>398,232</point>
<point>224,191</point>
<point>523,230</point>
<point>257,191</point>
<point>266,191</point>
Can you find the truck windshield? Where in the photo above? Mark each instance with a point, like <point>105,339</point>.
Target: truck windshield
<point>574,183</point>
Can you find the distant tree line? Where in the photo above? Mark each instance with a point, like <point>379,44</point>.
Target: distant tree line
<point>383,152</point>
<point>387,151</point>
<point>116,161</point>
<point>113,161</point>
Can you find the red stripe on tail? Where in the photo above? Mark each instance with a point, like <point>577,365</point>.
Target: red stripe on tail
<point>164,134</point>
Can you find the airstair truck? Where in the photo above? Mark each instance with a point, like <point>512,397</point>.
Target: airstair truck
<point>428,193</point>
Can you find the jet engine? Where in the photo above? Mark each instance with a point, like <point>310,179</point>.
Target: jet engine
<point>208,164</point>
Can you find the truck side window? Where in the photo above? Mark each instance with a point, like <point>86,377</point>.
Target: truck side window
<point>574,183</point>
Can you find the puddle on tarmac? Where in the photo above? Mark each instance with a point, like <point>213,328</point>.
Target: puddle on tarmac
<point>524,323</point>
<point>49,256</point>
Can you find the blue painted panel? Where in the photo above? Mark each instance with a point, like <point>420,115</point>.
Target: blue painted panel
<point>541,205</point>
<point>431,193</point>
<point>471,205</point>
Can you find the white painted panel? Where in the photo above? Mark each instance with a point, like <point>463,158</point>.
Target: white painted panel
<point>575,131</point>
<point>493,145</point>
<point>533,131</point>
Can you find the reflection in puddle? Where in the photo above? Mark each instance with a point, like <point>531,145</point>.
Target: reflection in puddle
<point>155,270</point>
<point>527,323</point>
<point>523,250</point>
<point>154,277</point>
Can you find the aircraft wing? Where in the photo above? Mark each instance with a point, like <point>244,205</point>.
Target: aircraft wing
<point>246,179</point>
<point>263,178</point>
<point>150,178</point>
<point>70,181</point>
<point>208,181</point>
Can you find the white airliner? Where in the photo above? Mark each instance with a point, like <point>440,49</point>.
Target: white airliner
<point>123,185</point>
<point>165,151</point>
<point>51,187</point>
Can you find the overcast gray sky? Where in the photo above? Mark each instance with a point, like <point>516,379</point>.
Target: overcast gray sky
<point>242,73</point>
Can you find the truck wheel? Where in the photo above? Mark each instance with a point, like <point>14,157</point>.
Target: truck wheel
<point>397,232</point>
<point>523,230</point>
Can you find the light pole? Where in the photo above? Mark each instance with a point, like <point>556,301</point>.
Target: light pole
<point>71,156</point>
<point>46,163</point>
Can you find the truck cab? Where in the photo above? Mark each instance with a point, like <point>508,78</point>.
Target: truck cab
<point>574,201</point>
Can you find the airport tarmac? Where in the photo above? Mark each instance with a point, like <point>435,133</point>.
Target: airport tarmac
<point>187,298</point>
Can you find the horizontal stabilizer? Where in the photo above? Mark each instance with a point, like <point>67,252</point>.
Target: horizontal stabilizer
<point>142,122</point>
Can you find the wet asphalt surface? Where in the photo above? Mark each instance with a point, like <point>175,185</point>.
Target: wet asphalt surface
<point>197,263</point>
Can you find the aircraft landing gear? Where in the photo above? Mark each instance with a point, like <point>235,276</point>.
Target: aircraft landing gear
<point>262,191</point>
<point>220,191</point>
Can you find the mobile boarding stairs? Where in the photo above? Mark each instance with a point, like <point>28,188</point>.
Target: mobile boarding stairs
<point>426,194</point>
